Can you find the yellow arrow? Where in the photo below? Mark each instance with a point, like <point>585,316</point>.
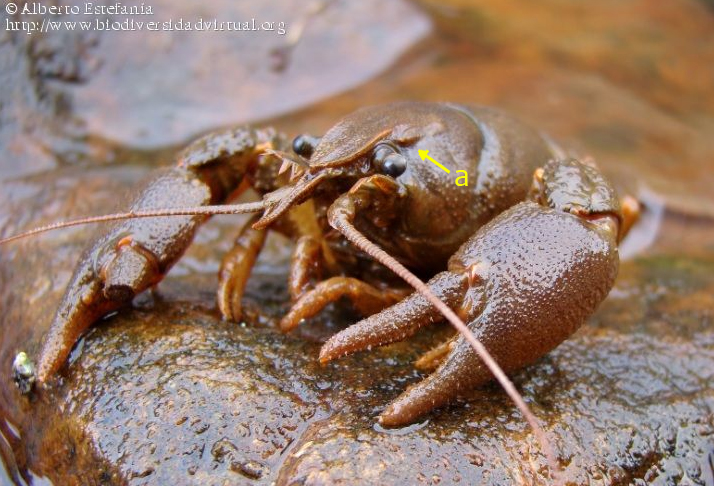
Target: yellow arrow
<point>424,154</point>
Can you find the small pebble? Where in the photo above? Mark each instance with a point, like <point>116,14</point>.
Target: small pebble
<point>23,372</point>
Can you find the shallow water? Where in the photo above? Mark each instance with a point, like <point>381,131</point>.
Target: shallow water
<point>167,392</point>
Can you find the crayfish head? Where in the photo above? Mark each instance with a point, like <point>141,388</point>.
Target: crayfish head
<point>373,140</point>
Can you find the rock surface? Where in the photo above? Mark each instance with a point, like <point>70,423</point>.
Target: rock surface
<point>169,393</point>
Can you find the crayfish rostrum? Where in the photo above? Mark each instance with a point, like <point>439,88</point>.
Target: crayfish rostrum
<point>523,253</point>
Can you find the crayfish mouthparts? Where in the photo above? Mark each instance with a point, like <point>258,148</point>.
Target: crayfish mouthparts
<point>278,202</point>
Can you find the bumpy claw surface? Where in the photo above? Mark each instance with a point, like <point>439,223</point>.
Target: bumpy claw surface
<point>131,257</point>
<point>524,283</point>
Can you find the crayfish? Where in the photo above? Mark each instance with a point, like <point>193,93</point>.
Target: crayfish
<point>522,254</point>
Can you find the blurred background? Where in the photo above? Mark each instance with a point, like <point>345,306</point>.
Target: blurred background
<point>167,392</point>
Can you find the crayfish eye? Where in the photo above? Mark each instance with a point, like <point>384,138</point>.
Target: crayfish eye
<point>389,162</point>
<point>304,145</point>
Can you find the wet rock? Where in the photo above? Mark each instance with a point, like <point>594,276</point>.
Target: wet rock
<point>127,85</point>
<point>169,393</point>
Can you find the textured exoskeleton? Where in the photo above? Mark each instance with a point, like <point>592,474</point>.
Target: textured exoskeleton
<point>523,283</point>
<point>531,241</point>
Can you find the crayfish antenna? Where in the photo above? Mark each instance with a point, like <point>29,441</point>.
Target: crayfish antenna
<point>252,207</point>
<point>350,232</point>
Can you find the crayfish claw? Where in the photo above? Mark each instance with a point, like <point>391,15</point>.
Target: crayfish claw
<point>83,303</point>
<point>523,283</point>
<point>135,254</point>
<point>460,370</point>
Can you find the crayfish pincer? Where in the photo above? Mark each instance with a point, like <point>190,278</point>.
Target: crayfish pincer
<point>522,254</point>
<point>523,283</point>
